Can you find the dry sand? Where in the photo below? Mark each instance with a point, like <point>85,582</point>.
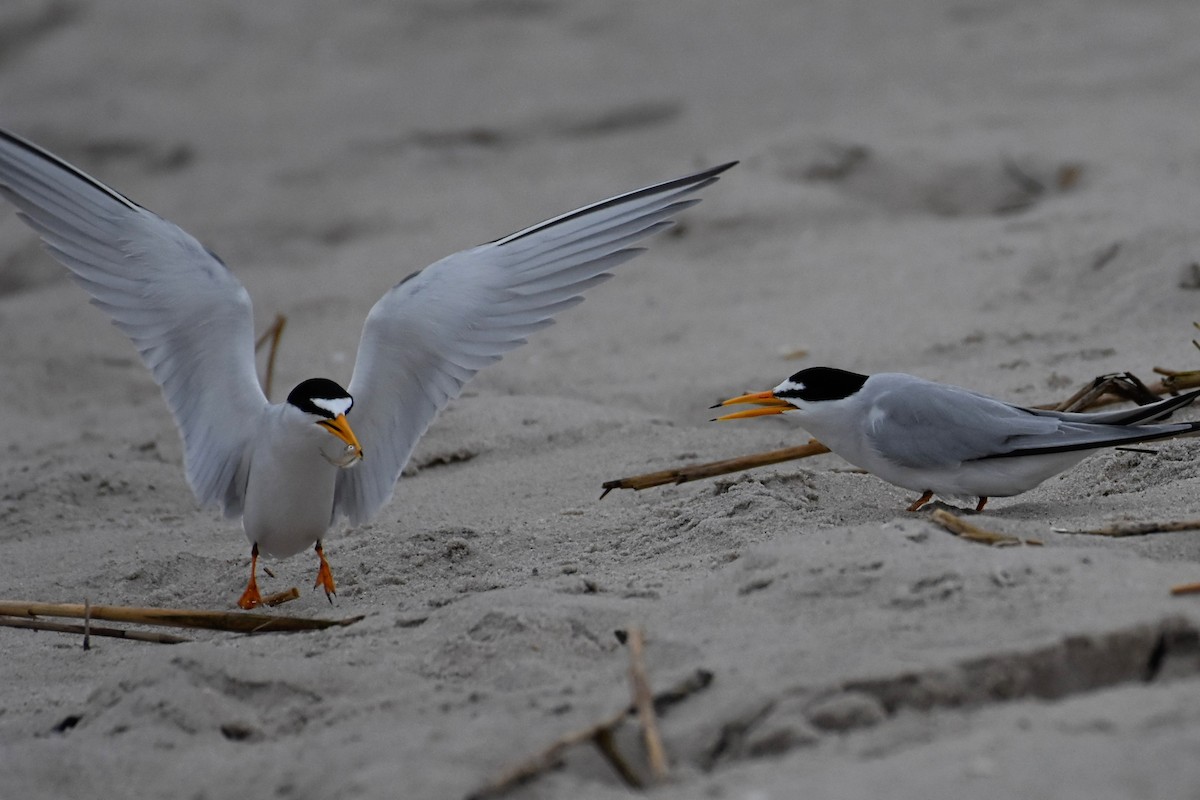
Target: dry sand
<point>996,194</point>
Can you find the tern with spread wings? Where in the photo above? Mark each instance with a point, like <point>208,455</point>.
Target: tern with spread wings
<point>290,470</point>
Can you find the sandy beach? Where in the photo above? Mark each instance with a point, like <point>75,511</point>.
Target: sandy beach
<point>1003,196</point>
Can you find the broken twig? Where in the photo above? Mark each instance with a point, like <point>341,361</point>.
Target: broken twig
<point>279,598</point>
<point>91,630</point>
<point>1135,528</point>
<point>1177,380</point>
<point>234,622</point>
<point>712,469</point>
<point>550,756</point>
<point>973,533</point>
<point>273,332</point>
<point>643,701</point>
<point>1107,389</point>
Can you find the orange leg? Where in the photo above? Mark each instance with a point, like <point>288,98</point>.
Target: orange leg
<point>920,501</point>
<point>979,506</point>
<point>324,575</point>
<point>251,598</point>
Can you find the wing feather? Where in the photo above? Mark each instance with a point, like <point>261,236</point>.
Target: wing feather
<point>922,425</point>
<point>432,332</point>
<point>934,425</point>
<point>188,316</point>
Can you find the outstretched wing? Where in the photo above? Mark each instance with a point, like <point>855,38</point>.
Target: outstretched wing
<point>188,316</point>
<point>429,334</point>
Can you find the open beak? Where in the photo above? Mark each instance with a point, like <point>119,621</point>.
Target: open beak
<point>768,402</point>
<point>340,427</point>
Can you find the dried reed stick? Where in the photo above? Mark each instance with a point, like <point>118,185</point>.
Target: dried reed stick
<point>92,630</point>
<point>236,622</point>
<point>643,701</point>
<point>1135,528</point>
<point>273,333</point>
<point>550,756</point>
<point>713,468</point>
<point>279,598</point>
<point>973,533</point>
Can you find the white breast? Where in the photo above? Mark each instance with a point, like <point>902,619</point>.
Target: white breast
<point>289,493</point>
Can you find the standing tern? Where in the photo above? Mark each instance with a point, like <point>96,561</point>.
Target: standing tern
<point>283,468</point>
<point>939,439</point>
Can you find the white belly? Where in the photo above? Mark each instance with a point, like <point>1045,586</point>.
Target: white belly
<point>992,477</point>
<point>289,498</point>
<point>989,477</point>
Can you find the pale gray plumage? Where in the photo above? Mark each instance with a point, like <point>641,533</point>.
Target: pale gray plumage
<point>186,313</point>
<point>940,439</point>
<point>191,321</point>
<point>923,424</point>
<point>476,305</point>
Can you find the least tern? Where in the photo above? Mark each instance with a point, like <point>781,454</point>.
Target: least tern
<point>282,467</point>
<point>939,439</point>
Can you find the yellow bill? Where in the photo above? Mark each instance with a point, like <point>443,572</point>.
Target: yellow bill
<point>340,427</point>
<point>770,404</point>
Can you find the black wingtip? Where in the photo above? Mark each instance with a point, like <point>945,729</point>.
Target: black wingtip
<point>706,173</point>
<point>1179,429</point>
<point>695,182</point>
<point>1187,398</point>
<point>1163,409</point>
<point>46,155</point>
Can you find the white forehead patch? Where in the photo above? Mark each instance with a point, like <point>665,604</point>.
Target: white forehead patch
<point>793,387</point>
<point>336,406</point>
